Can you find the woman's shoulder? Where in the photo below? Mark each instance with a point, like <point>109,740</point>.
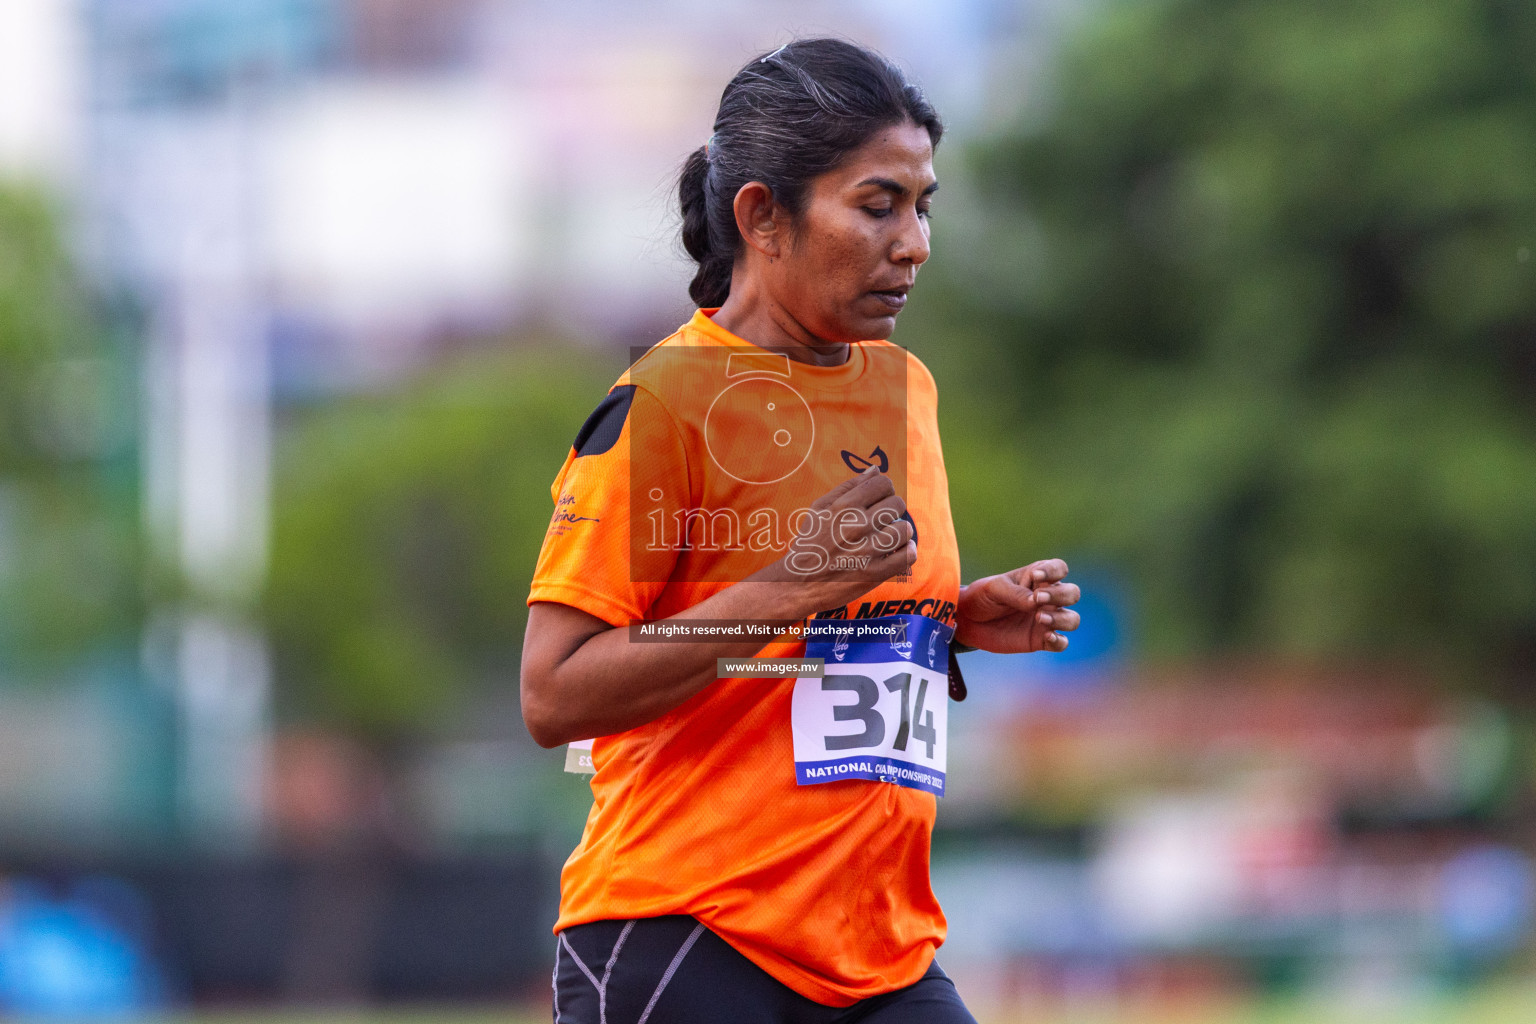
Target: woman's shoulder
<point>681,370</point>
<point>918,374</point>
<point>644,368</point>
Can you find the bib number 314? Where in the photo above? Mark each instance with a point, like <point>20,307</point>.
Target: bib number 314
<point>880,710</point>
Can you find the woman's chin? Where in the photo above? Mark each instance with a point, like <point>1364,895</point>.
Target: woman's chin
<point>877,315</point>
<point>877,328</point>
<point>858,322</point>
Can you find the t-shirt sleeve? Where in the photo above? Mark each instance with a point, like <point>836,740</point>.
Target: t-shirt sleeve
<point>595,556</point>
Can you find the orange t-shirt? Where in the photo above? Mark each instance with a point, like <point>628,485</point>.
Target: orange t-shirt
<point>686,478</point>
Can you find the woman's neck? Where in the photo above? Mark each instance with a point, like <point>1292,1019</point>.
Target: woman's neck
<point>749,314</point>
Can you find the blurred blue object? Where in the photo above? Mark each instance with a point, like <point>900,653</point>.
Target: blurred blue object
<point>1095,650</point>
<point>184,49</point>
<point>1487,895</point>
<point>1098,639</point>
<point>68,958</point>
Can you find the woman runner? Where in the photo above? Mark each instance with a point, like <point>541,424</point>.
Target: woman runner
<point>767,483</point>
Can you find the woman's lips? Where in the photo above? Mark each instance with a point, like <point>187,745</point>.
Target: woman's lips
<point>893,300</point>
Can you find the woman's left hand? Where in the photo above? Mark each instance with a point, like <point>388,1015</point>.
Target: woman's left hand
<point>1027,609</point>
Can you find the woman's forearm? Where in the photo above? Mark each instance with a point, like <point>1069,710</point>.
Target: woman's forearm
<point>582,677</point>
<point>607,683</point>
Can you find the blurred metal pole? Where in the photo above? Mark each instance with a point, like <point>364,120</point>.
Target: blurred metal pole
<point>174,189</point>
<point>208,450</point>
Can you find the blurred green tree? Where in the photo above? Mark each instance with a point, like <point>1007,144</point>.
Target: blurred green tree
<point>69,539</point>
<point>406,526</point>
<point>1248,309</point>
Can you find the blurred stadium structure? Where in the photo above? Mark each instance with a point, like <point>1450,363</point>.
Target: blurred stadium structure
<point>277,210</point>
<point>306,196</point>
<point>274,201</point>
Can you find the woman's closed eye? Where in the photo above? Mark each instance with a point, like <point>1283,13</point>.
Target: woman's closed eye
<point>880,212</point>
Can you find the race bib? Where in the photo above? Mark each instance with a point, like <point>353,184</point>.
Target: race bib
<point>578,758</point>
<point>880,710</point>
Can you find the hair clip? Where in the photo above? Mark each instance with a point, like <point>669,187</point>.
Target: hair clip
<point>709,145</point>
<point>772,55</point>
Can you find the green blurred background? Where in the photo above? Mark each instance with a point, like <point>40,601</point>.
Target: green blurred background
<point>1231,305</point>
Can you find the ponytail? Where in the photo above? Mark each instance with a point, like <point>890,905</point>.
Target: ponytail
<point>712,282</point>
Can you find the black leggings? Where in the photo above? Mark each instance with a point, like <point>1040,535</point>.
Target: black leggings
<point>673,970</point>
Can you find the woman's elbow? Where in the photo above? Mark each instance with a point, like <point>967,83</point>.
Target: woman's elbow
<point>545,735</point>
<point>553,635</point>
<point>541,714</point>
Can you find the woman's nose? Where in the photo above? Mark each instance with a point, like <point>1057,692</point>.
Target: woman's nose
<point>911,245</point>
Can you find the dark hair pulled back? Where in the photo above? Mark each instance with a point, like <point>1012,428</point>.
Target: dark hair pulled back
<point>787,117</point>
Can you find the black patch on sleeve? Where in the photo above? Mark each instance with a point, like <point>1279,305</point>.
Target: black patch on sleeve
<point>602,429</point>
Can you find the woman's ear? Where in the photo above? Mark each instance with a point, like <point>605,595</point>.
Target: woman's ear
<point>762,222</point>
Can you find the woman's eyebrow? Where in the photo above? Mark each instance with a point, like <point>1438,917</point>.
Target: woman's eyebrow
<point>894,187</point>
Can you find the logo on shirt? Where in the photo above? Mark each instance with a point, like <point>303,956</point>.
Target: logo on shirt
<point>881,461</point>
<point>932,607</point>
<point>859,463</point>
<point>565,516</point>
